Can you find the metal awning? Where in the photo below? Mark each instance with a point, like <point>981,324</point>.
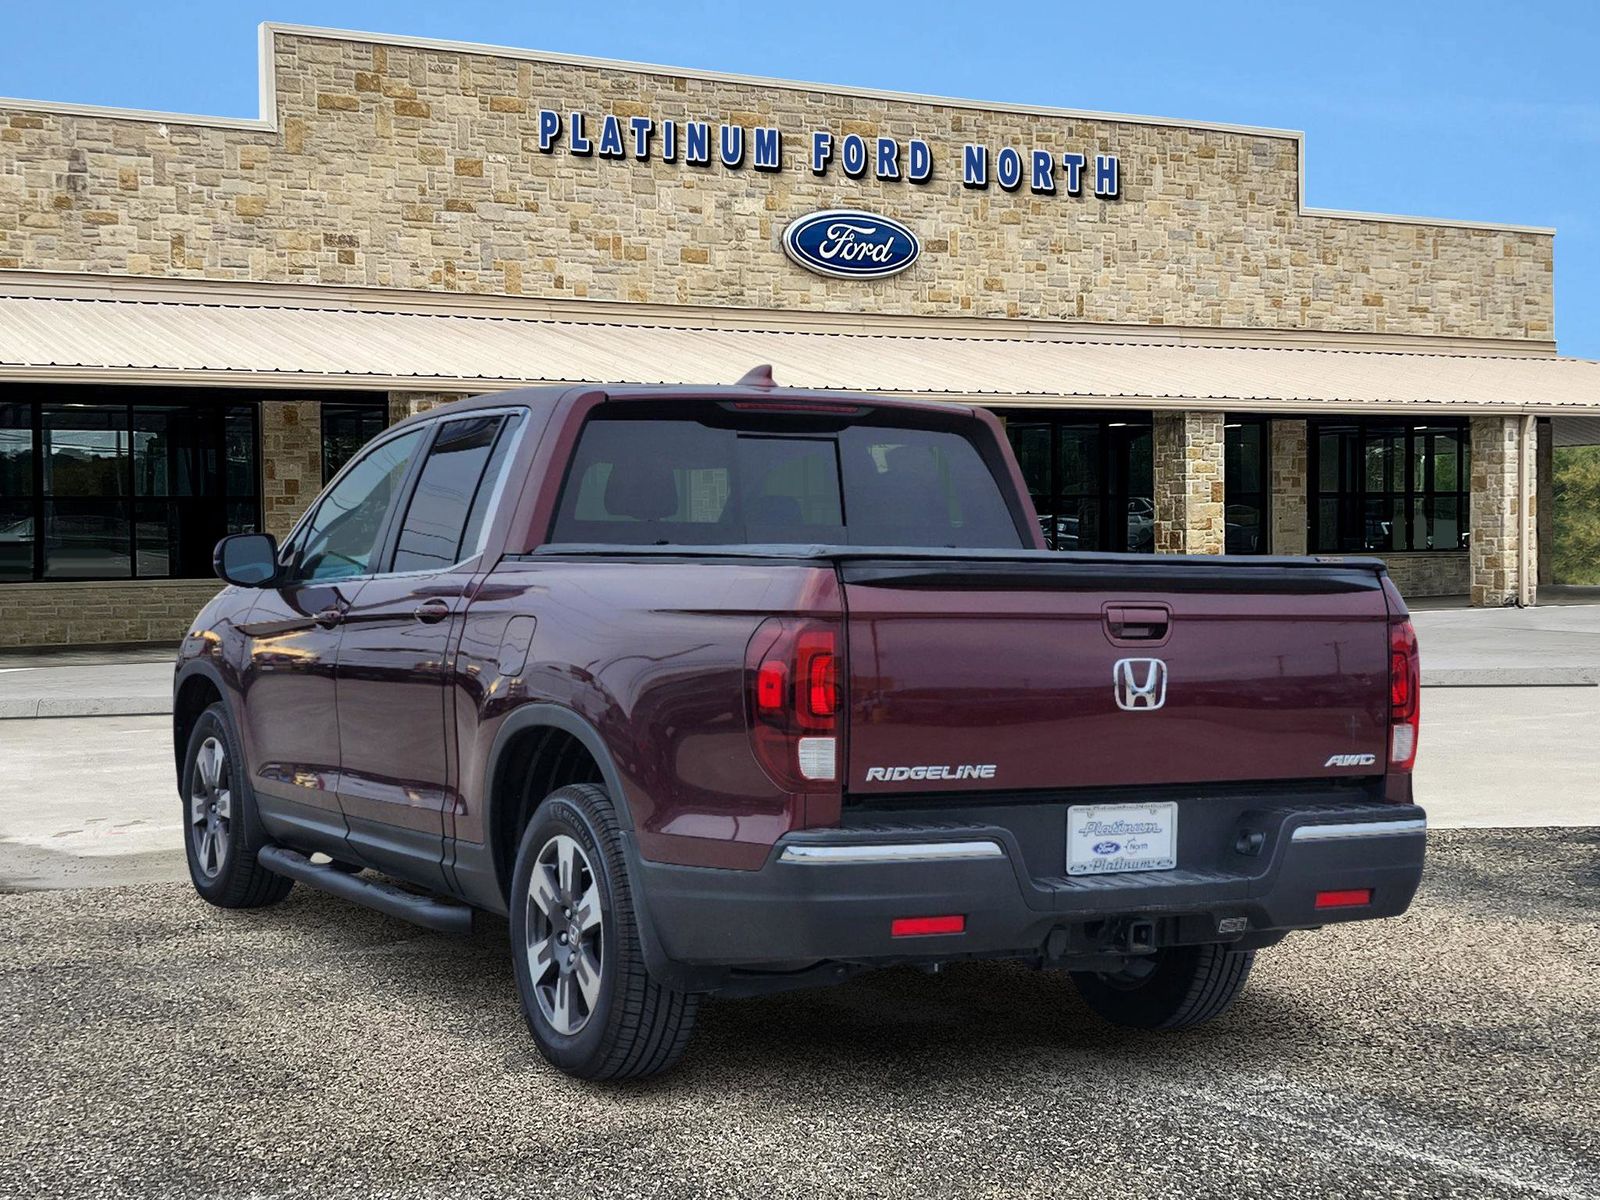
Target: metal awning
<point>131,341</point>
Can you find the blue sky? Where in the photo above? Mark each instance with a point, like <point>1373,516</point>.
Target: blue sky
<point>1464,109</point>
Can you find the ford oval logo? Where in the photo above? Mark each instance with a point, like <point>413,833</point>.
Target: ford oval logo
<point>1103,848</point>
<point>850,244</point>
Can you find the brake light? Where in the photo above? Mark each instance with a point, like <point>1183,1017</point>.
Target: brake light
<point>924,926</point>
<point>1405,701</point>
<point>793,666</point>
<point>797,406</point>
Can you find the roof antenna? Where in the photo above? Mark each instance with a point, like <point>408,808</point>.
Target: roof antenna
<point>760,377</point>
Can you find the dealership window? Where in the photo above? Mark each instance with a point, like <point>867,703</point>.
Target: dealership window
<point>123,483</point>
<point>1246,471</point>
<point>346,427</point>
<point>1389,485</point>
<point>1089,476</point>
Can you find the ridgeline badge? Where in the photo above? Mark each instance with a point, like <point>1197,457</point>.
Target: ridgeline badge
<point>850,244</point>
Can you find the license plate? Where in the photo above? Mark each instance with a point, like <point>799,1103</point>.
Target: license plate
<point>1105,838</point>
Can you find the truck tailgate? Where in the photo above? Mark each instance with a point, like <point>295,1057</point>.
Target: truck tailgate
<point>1001,673</point>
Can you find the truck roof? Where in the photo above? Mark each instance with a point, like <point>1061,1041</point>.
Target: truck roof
<point>551,396</point>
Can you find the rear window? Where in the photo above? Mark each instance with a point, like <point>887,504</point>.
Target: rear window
<point>666,482</point>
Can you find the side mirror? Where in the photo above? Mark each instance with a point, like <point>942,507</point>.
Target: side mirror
<point>246,559</point>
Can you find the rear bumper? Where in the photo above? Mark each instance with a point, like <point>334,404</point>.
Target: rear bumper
<point>829,896</point>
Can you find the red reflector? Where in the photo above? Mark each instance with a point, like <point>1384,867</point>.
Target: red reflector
<point>1348,898</point>
<point>769,685</point>
<point>922,926</point>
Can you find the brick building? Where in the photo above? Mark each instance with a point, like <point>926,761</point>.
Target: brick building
<point>201,318</point>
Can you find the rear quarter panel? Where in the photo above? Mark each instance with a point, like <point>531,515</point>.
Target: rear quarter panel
<point>651,654</point>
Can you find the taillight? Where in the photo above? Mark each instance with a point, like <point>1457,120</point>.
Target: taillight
<point>793,668</point>
<point>1405,701</point>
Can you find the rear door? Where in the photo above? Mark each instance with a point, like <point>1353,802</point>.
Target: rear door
<point>1042,671</point>
<point>396,779</point>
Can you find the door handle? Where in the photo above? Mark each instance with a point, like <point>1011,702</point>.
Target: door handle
<point>1137,622</point>
<point>431,612</point>
<point>329,617</point>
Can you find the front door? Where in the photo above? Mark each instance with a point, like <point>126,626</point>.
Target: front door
<point>291,733</point>
<point>295,633</point>
<point>397,775</point>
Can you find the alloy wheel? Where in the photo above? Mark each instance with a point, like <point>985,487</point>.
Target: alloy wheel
<point>210,806</point>
<point>564,934</point>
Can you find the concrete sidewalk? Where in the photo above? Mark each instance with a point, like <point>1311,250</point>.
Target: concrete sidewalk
<point>1552,646</point>
<point>79,683</point>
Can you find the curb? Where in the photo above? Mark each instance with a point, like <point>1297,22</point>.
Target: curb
<point>110,706</point>
<point>1513,677</point>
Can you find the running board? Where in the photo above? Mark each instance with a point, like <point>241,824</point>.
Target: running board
<point>374,893</point>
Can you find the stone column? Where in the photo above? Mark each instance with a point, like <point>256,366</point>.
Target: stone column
<point>409,404</point>
<point>1290,486</point>
<point>1497,511</point>
<point>1188,468</point>
<point>291,461</point>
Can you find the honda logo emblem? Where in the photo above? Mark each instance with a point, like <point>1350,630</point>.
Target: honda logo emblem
<point>1139,683</point>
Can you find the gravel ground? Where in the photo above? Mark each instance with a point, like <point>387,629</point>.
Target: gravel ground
<point>150,1045</point>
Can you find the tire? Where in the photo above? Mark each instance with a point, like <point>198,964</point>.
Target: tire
<point>222,830</point>
<point>572,907</point>
<point>1177,987</point>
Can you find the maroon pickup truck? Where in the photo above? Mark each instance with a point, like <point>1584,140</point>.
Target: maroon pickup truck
<point>722,690</point>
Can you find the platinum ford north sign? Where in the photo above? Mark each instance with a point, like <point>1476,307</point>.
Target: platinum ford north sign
<point>850,244</point>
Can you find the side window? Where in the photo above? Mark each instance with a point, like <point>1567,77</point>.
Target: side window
<point>447,508</point>
<point>342,535</point>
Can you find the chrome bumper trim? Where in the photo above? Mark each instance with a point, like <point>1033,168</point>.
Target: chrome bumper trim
<point>892,852</point>
<point>1359,829</point>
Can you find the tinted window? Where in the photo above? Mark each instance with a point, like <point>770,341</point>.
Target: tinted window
<point>680,482</point>
<point>345,429</point>
<point>105,482</point>
<point>436,520</point>
<point>919,487</point>
<point>342,535</point>
<point>1383,485</point>
<point>471,540</point>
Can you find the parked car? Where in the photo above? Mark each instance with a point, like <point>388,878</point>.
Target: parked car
<point>726,690</point>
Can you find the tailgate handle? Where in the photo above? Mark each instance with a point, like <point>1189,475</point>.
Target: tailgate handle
<point>1137,622</point>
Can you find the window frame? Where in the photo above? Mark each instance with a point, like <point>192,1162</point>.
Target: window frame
<point>512,423</point>
<point>344,407</point>
<point>385,546</point>
<point>1231,494</point>
<point>127,401</point>
<point>1113,493</point>
<point>1411,494</point>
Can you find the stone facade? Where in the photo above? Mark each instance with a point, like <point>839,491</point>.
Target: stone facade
<point>419,167</point>
<point>1498,511</point>
<point>134,610</point>
<point>1430,573</point>
<point>409,404</point>
<point>1187,451</point>
<point>1290,484</point>
<point>291,462</point>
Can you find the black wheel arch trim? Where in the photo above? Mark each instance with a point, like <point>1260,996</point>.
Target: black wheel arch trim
<point>545,715</point>
<point>477,863</point>
<point>213,675</point>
